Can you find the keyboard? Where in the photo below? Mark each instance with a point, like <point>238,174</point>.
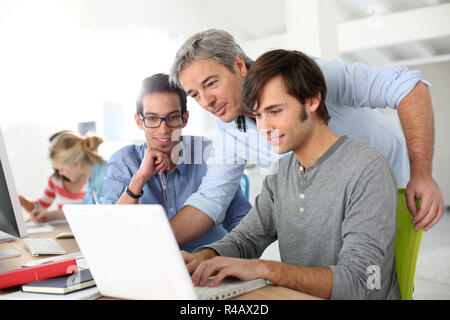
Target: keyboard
<point>75,255</point>
<point>4,237</point>
<point>43,246</point>
<point>228,288</point>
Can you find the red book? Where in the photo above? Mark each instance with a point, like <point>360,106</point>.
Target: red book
<point>44,271</point>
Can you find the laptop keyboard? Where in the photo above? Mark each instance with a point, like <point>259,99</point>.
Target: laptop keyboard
<point>207,293</point>
<point>228,288</point>
<point>43,246</point>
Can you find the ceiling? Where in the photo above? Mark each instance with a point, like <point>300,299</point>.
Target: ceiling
<point>426,50</point>
<point>253,19</point>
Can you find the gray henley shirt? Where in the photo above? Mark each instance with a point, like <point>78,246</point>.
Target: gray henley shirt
<point>339,213</point>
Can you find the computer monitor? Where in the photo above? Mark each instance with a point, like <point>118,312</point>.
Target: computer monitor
<point>11,217</point>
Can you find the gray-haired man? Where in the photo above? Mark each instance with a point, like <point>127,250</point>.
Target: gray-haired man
<point>331,204</point>
<point>210,66</point>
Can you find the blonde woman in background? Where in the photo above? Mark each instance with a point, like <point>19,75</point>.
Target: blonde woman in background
<point>58,192</point>
<point>77,160</point>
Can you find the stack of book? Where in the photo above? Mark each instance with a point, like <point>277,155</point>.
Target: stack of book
<point>60,277</point>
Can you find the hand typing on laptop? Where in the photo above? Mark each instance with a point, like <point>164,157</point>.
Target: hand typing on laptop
<point>206,263</point>
<point>192,260</point>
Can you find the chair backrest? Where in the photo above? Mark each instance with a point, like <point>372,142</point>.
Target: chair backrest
<point>245,185</point>
<point>407,246</point>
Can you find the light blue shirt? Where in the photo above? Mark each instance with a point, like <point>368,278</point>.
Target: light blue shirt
<point>95,183</point>
<point>173,189</point>
<point>353,93</point>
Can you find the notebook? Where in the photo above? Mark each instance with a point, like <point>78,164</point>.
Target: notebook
<point>62,285</point>
<point>132,253</point>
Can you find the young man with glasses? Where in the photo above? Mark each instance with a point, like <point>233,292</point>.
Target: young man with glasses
<point>169,167</point>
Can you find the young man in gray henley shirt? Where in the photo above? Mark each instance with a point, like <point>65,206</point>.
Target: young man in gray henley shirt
<point>331,203</point>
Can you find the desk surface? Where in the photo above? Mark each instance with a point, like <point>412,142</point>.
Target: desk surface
<point>266,293</point>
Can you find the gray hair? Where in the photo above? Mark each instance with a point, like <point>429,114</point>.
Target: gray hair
<point>210,44</point>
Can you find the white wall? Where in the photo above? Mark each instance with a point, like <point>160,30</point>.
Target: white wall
<point>59,63</point>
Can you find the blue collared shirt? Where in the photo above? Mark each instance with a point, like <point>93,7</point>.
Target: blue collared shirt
<point>173,189</point>
<point>353,92</point>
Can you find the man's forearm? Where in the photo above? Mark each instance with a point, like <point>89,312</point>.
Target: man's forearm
<point>189,224</point>
<point>136,185</point>
<point>315,281</point>
<point>205,254</point>
<point>416,117</point>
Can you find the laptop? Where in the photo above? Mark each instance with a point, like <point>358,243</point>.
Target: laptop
<point>132,253</point>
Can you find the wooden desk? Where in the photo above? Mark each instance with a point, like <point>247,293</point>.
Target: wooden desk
<point>266,293</point>
<point>70,245</point>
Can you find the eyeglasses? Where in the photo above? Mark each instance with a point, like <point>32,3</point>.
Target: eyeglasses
<point>172,121</point>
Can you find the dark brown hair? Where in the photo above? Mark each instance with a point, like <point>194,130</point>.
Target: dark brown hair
<point>159,83</point>
<point>302,78</point>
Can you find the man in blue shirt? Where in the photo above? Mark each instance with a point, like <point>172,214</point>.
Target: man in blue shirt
<point>168,168</point>
<point>210,66</point>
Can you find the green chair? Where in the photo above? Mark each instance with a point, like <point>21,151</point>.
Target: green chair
<point>407,246</point>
